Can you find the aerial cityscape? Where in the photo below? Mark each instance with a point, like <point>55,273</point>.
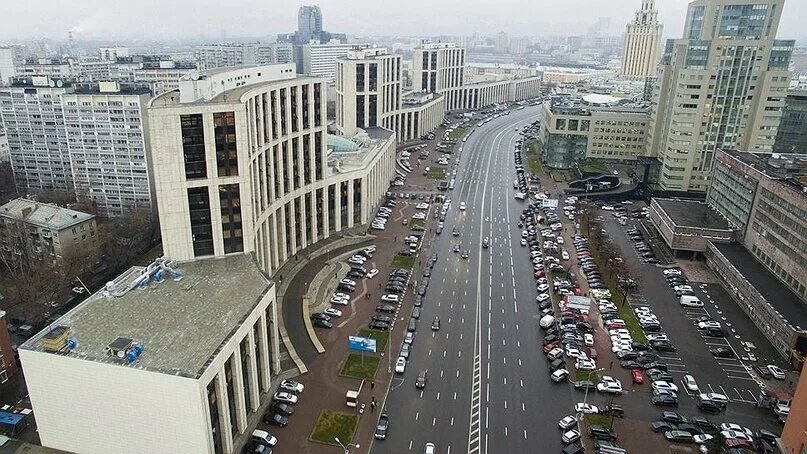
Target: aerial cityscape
<point>365,228</point>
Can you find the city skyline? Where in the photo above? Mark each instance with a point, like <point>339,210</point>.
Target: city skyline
<point>185,20</point>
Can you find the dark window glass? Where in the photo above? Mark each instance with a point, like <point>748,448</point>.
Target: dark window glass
<point>201,228</point>
<point>229,377</point>
<point>307,158</point>
<point>263,370</point>
<point>294,117</point>
<point>373,77</point>
<point>226,151</point>
<point>343,202</point>
<point>331,208</point>
<point>230,199</point>
<point>305,104</point>
<point>193,145</point>
<point>318,155</point>
<point>215,427</point>
<point>359,78</point>
<point>357,201</point>
<point>295,163</point>
<point>245,377</point>
<point>283,111</point>
<point>373,107</point>
<point>317,109</point>
<point>320,213</point>
<point>360,111</point>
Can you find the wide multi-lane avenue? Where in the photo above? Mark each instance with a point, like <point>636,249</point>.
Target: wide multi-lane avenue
<point>488,382</point>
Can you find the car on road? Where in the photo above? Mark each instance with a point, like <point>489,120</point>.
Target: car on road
<point>409,338</point>
<point>582,385</point>
<point>762,371</point>
<point>702,439</point>
<point>382,427</point>
<point>436,324</point>
<point>485,243</point>
<point>776,372</point>
<point>389,308</point>
<point>372,273</point>
<point>678,436</point>
<point>559,375</point>
<point>462,206</point>
<point>661,384</point>
<point>567,422</point>
<point>600,432</point>
<point>400,365</point>
<point>570,436</point>
<point>637,376</point>
<point>662,426</point>
<point>420,382</point>
<point>709,406</point>
<point>340,301</point>
<point>664,401</point>
<point>429,449</point>
<point>292,386</point>
<point>285,397</point>
<point>390,298</point>
<point>714,397</point>
<point>610,387</point>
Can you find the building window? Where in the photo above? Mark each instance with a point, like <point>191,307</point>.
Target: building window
<point>201,228</point>
<point>230,200</point>
<point>226,149</point>
<point>259,349</point>
<point>215,426</point>
<point>193,145</point>
<point>357,201</point>
<point>360,111</point>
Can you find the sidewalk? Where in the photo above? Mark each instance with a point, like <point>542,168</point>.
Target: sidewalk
<point>313,278</point>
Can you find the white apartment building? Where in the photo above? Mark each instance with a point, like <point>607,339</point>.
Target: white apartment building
<point>164,77</point>
<point>47,67</point>
<point>319,60</point>
<point>493,72</point>
<point>8,64</point>
<point>87,140</point>
<point>94,70</point>
<point>440,68</point>
<point>240,54</point>
<point>173,357</point>
<point>723,85</point>
<point>642,43</point>
<point>369,94</point>
<point>242,163</point>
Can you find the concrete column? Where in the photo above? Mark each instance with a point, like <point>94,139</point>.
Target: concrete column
<point>224,412</point>
<point>263,350</point>
<point>252,371</point>
<point>238,387</point>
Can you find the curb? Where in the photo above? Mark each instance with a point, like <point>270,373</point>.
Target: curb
<point>309,327</point>
<point>284,337</point>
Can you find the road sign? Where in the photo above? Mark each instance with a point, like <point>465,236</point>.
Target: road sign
<point>361,344</point>
<point>549,203</point>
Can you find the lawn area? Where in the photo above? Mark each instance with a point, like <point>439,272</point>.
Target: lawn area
<point>334,424</point>
<point>595,167</point>
<point>403,261</point>
<point>591,375</point>
<point>535,165</point>
<point>436,173</point>
<point>381,337</point>
<point>357,367</point>
<point>626,313</point>
<point>601,420</point>
<point>420,223</point>
<point>458,133</point>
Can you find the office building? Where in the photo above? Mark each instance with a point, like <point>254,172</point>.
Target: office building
<point>85,140</point>
<point>239,54</point>
<point>9,60</point>
<point>172,357</point>
<point>94,70</point>
<point>369,94</point>
<point>493,72</point>
<point>162,75</point>
<point>764,198</point>
<point>723,85</point>
<point>575,127</point>
<point>47,229</point>
<point>309,23</point>
<point>642,43</point>
<point>791,137</point>
<point>243,163</point>
<point>319,60</point>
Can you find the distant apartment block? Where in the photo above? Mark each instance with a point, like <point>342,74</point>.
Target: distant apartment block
<point>113,53</point>
<point>87,140</point>
<point>494,72</point>
<point>47,229</point>
<point>319,60</point>
<point>239,54</point>
<point>9,60</point>
<point>47,67</point>
<point>792,134</point>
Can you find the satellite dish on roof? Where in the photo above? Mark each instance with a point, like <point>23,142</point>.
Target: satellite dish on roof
<point>59,83</point>
<point>51,83</point>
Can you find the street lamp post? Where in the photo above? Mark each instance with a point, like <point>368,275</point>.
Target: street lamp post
<point>346,448</point>
<point>585,396</point>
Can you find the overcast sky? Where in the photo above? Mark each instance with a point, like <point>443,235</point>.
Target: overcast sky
<point>214,19</point>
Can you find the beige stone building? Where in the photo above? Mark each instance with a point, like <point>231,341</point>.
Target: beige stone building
<point>243,163</point>
<point>642,43</point>
<point>723,85</point>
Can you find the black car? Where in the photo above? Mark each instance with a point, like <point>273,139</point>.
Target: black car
<point>382,318</point>
<point>397,289</point>
<point>417,301</point>
<point>574,448</point>
<point>601,433</point>
<point>678,436</point>
<point>389,308</point>
<point>320,316</point>
<point>716,332</point>
<point>255,447</point>
<point>613,410</point>
<point>710,406</point>
<point>282,408</point>
<point>722,352</point>
<point>704,423</point>
<point>762,371</point>
<point>382,427</point>
<point>663,346</point>
<point>320,323</point>
<point>662,426</point>
<point>353,274</point>
<point>630,364</point>
<point>691,428</point>
<point>664,401</point>
<point>420,382</point>
<point>673,417</point>
<point>276,419</point>
<point>375,324</point>
<point>655,365</point>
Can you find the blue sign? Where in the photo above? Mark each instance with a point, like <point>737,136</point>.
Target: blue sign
<point>361,344</point>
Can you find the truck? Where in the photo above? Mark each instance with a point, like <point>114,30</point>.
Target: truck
<point>690,301</point>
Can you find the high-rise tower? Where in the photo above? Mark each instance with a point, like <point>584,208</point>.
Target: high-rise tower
<point>642,42</point>
<point>309,23</point>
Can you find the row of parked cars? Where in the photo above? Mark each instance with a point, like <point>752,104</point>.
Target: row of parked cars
<point>280,409</point>
<point>346,286</point>
<point>700,430</point>
<point>642,247</point>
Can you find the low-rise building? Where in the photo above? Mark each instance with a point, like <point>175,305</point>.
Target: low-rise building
<point>223,55</point>
<point>8,360</point>
<point>598,126</point>
<point>492,72</point>
<point>45,229</point>
<point>794,434</point>
<point>687,226</point>
<point>173,357</point>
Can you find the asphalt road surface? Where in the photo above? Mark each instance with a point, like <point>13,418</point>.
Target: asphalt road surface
<point>488,382</point>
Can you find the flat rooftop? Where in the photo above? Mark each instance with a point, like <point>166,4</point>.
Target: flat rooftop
<point>778,295</point>
<point>691,213</point>
<point>181,324</point>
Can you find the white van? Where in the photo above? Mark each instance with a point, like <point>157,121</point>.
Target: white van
<point>690,301</point>
<point>554,354</point>
<point>546,321</point>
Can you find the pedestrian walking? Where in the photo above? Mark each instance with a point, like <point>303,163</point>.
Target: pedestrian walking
<point>372,384</point>
<point>372,406</point>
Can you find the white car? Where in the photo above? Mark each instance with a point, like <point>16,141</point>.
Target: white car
<point>400,365</point>
<point>372,273</point>
<point>543,287</point>
<point>588,339</point>
<point>661,384</point>
<point>585,364</point>
<point>711,324</point>
<point>570,436</point>
<point>564,255</point>
<point>333,312</point>
<point>292,385</point>
<point>422,206</point>
<point>348,282</point>
<point>419,215</point>
<point>542,297</point>
<point>430,449</point>
<point>610,388</point>
<point>390,298</point>
<point>714,397</point>
<point>355,261</point>
<point>340,301</point>
<point>736,435</point>
<point>572,352</point>
<point>409,338</point>
<point>702,439</point>
<point>691,384</point>
<point>462,206</point>
<point>586,408</point>
<point>777,373</point>
<point>672,271</point>
<point>523,241</point>
<point>285,397</point>
<point>567,422</point>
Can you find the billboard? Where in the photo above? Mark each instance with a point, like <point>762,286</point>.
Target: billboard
<point>361,344</point>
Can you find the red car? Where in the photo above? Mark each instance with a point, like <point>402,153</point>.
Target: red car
<point>638,378</point>
<point>615,325</point>
<point>539,274</point>
<point>549,347</point>
<point>592,352</point>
